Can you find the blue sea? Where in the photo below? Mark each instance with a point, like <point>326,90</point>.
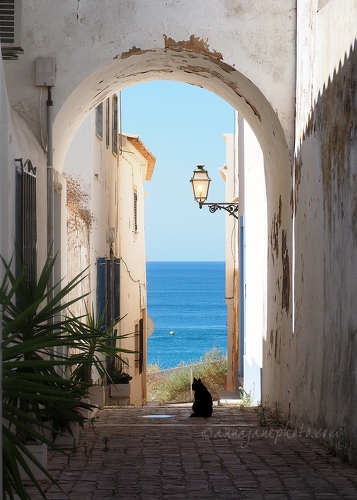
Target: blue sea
<point>187,298</point>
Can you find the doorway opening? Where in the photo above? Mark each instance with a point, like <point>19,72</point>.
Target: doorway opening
<point>252,121</point>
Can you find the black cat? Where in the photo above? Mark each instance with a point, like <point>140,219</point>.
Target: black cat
<point>202,406</point>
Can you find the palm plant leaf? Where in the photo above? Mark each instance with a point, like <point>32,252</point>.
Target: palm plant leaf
<point>94,342</point>
<point>33,328</point>
<point>13,457</point>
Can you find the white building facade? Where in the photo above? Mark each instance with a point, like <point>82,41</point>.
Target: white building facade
<point>246,267</point>
<point>104,174</point>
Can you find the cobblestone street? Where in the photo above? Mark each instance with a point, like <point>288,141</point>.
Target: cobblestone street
<point>160,453</point>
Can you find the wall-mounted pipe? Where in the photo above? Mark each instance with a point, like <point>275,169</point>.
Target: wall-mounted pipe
<point>50,190</point>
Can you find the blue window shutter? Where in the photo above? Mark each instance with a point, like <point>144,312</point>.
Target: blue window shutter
<point>101,284</point>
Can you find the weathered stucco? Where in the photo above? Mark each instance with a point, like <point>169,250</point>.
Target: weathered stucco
<point>323,374</point>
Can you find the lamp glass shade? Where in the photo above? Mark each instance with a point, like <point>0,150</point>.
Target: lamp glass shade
<point>200,184</point>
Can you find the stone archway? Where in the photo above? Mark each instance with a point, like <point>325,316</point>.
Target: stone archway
<point>205,70</point>
<point>243,53</point>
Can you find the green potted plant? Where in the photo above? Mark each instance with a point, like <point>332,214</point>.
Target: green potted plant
<point>94,345</point>
<point>32,327</point>
<point>120,387</point>
<point>65,417</point>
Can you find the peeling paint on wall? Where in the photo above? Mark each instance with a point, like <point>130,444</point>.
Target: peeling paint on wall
<point>197,47</point>
<point>194,43</point>
<point>132,52</point>
<point>294,194</point>
<point>277,345</point>
<point>285,293</point>
<point>274,235</point>
<point>283,286</point>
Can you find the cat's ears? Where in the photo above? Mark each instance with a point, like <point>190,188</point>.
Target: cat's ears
<point>194,379</point>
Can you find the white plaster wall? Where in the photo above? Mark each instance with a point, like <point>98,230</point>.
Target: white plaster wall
<point>90,164</point>
<point>78,168</point>
<point>94,166</point>
<point>255,202</point>
<point>17,141</point>
<point>132,173</point>
<point>321,379</point>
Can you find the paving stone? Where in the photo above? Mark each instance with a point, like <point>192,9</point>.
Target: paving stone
<point>227,456</point>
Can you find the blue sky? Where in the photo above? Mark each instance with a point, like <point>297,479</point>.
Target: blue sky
<point>182,125</point>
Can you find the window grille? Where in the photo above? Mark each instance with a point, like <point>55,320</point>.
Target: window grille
<point>26,220</point>
<point>135,211</point>
<point>139,346</point>
<point>107,122</point>
<point>99,120</point>
<point>115,124</point>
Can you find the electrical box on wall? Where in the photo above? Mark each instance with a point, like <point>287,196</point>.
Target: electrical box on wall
<point>45,71</point>
<point>111,234</point>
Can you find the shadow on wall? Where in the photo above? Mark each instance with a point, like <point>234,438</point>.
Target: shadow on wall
<point>324,344</point>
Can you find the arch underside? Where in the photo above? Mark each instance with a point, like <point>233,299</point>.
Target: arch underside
<point>201,69</point>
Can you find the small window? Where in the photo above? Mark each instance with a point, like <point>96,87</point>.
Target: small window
<point>135,211</point>
<point>139,346</point>
<point>115,124</point>
<point>107,122</point>
<point>99,120</point>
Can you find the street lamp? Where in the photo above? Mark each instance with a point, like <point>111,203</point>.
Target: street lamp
<point>200,185</point>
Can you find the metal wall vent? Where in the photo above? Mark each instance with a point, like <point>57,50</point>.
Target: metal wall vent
<point>10,28</point>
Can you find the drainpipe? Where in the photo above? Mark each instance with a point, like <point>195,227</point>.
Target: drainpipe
<point>50,192</point>
<point>242,250</point>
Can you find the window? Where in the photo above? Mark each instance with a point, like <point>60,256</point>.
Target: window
<point>108,289</point>
<point>115,124</point>
<point>135,200</point>
<point>99,120</point>
<point>139,346</point>
<point>107,122</point>
<point>26,223</point>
